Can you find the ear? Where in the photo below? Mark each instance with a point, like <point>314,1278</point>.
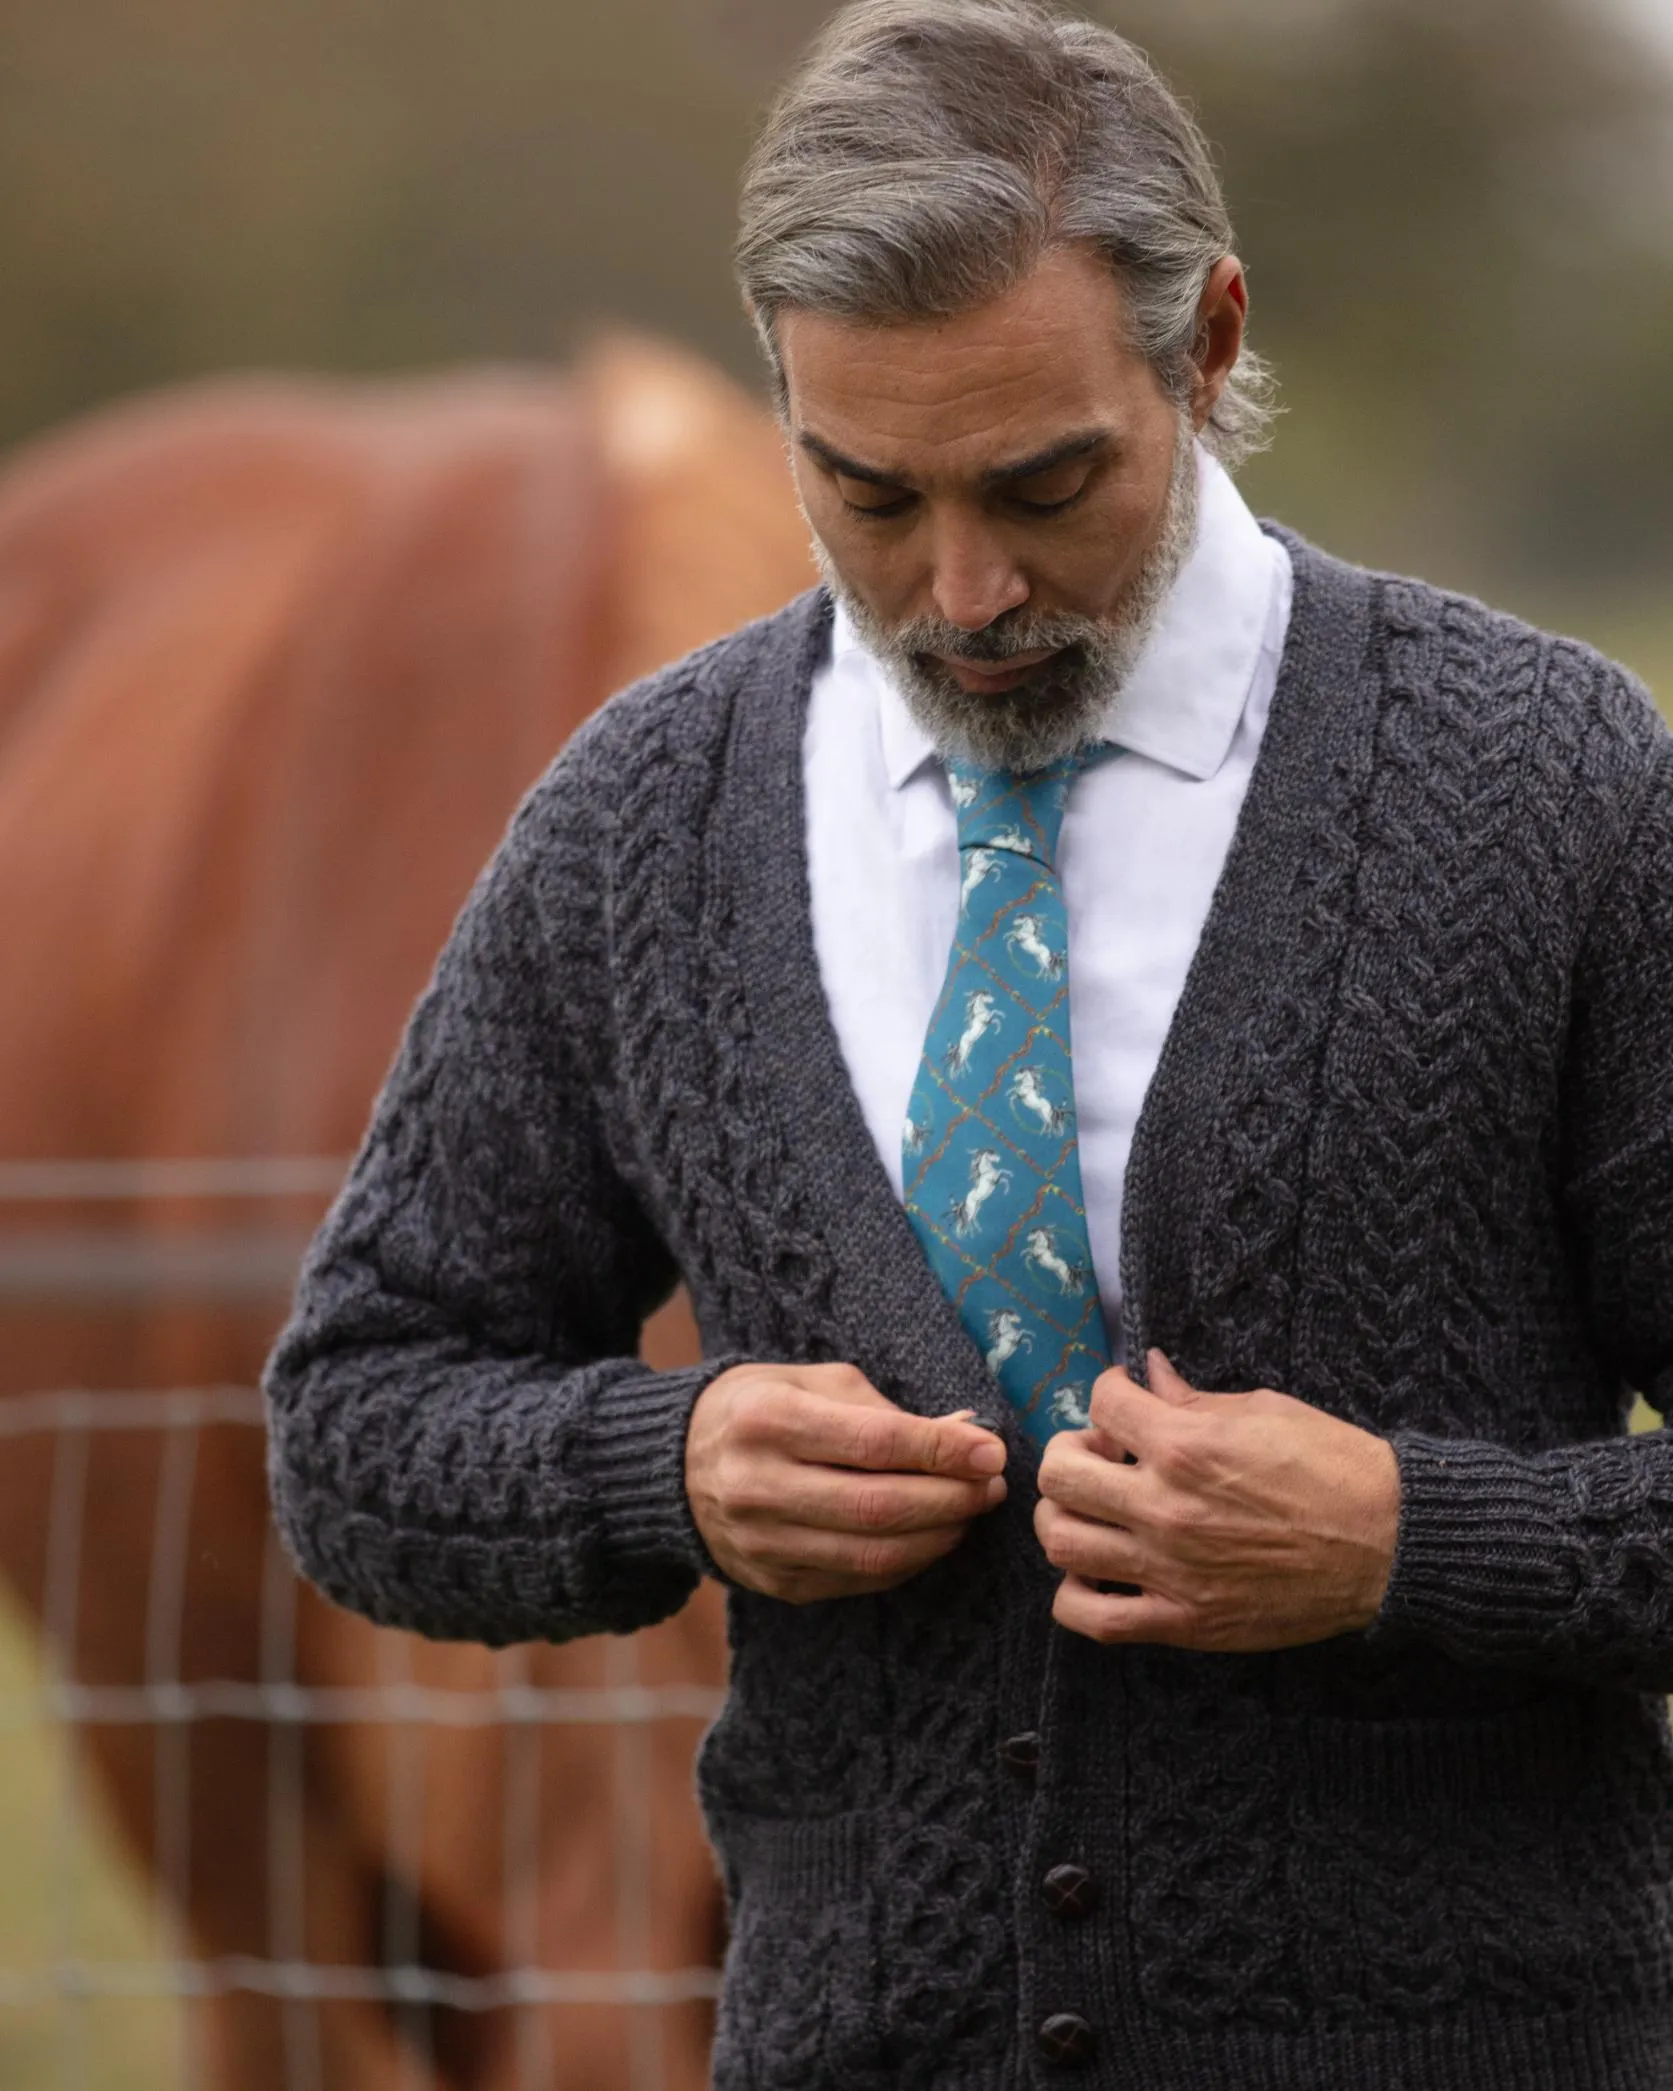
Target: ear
<point>1222,316</point>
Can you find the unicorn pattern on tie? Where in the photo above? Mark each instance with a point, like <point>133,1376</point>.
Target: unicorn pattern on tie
<point>963,790</point>
<point>1041,1253</point>
<point>1071,1408</point>
<point>981,1015</point>
<point>1026,936</point>
<point>1007,1334</point>
<point>1028,1094</point>
<point>913,1135</point>
<point>986,1176</point>
<point>979,865</point>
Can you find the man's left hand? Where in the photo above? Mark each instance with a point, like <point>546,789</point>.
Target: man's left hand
<point>1249,1521</point>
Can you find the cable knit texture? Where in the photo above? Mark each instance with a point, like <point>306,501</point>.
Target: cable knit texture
<point>1408,1155</point>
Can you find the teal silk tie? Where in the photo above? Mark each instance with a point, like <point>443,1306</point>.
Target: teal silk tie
<point>991,1154</point>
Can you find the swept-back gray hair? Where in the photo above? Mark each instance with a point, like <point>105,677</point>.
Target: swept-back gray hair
<point>927,153</point>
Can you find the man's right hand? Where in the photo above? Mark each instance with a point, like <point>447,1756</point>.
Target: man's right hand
<point>807,1483</point>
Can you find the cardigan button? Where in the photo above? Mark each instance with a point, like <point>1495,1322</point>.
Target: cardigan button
<point>1070,1891</point>
<point>1065,2039</point>
<point>1020,1755</point>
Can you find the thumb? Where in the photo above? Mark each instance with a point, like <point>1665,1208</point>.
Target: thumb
<point>1166,1384</point>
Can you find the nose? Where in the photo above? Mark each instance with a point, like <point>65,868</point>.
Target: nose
<point>976,579</point>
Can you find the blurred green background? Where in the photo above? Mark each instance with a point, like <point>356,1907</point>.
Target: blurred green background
<point>1458,216</point>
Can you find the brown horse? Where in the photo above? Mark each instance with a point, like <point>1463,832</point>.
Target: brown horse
<point>276,661</point>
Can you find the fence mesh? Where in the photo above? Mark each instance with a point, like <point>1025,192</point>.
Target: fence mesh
<point>58,1969</point>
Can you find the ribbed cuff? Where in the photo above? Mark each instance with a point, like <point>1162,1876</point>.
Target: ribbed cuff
<point>1485,1560</point>
<point>633,1456</point>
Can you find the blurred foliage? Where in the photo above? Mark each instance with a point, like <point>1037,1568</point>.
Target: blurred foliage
<point>1458,216</point>
<point>1459,220</point>
<point>70,1898</point>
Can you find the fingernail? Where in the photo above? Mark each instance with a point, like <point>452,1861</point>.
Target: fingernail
<point>987,1459</point>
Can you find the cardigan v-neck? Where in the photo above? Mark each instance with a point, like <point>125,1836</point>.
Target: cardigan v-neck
<point>1250,935</point>
<point>1145,835</point>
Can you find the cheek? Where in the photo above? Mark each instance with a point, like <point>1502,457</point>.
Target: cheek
<point>876,564</point>
<point>1120,529</point>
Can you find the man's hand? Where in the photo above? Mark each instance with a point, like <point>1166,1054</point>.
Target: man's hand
<point>806,1482</point>
<point>1249,1522</point>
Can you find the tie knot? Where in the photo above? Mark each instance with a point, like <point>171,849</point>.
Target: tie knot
<point>1012,810</point>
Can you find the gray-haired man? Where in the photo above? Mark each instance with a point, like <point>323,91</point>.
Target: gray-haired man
<point>1095,929</point>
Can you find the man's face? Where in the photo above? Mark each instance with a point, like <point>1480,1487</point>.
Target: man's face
<point>1002,499</point>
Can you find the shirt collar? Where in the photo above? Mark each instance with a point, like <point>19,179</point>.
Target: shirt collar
<point>1184,700</point>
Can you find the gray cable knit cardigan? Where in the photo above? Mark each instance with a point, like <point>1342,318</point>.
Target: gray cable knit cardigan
<point>1408,1155</point>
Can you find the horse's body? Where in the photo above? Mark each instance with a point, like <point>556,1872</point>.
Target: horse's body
<point>276,662</point>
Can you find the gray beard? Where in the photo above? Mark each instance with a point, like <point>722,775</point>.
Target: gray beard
<point>1058,707</point>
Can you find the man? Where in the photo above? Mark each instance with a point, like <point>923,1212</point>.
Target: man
<point>1098,959</point>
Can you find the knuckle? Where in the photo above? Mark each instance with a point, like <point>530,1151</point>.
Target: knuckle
<point>1062,1549</point>
<point>878,1559</point>
<point>730,1481</point>
<point>866,1444</point>
<point>940,1451</point>
<point>872,1508</point>
<point>1175,1461</point>
<point>752,1405</point>
<point>1196,1596</point>
<point>843,1384</point>
<point>1085,1611</point>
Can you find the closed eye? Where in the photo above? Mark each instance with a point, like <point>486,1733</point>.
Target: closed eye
<point>874,512</point>
<point>1027,507</point>
<point>1051,492</point>
<point>876,502</point>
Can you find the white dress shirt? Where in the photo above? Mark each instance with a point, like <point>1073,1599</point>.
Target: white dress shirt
<point>1144,838</point>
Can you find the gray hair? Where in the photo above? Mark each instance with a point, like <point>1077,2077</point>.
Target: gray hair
<point>927,153</point>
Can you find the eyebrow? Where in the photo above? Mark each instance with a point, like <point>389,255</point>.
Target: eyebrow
<point>1063,452</point>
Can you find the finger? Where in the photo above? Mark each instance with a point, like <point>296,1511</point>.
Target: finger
<point>1131,1414</point>
<point>1165,1382</point>
<point>1113,1620</point>
<point>983,1420</point>
<point>1081,1546</point>
<point>836,1499</point>
<point>888,1440</point>
<point>1075,1474</point>
<point>1106,1447</point>
<point>873,1559</point>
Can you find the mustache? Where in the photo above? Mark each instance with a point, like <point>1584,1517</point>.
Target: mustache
<point>995,643</point>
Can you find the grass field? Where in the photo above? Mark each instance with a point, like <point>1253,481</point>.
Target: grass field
<point>67,1896</point>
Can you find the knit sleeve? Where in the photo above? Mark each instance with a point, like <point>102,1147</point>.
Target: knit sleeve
<point>1562,1560</point>
<point>462,1440</point>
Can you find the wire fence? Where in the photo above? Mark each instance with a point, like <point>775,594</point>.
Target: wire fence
<point>511,1713</point>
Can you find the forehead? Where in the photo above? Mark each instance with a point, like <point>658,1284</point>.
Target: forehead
<point>948,397</point>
